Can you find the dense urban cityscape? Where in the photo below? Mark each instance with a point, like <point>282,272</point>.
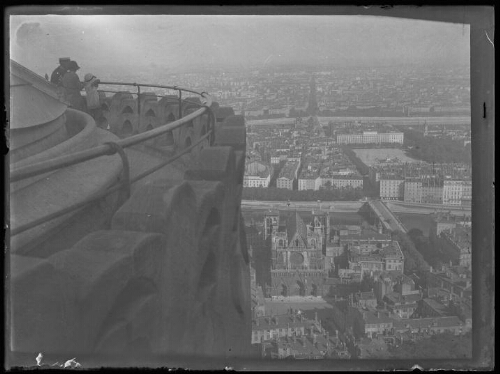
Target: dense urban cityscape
<point>356,284</point>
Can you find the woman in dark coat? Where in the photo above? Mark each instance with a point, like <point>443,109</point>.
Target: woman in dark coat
<point>72,87</point>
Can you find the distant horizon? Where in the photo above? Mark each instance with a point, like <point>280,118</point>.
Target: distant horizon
<point>236,42</point>
<point>201,69</point>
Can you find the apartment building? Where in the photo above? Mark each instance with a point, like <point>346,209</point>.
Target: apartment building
<point>370,137</point>
<point>257,174</point>
<point>391,187</point>
<point>384,259</point>
<point>457,192</point>
<point>288,175</point>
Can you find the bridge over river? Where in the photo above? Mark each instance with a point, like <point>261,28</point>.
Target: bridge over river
<point>385,216</point>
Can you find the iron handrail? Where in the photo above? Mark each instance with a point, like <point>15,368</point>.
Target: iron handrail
<point>151,94</point>
<point>102,150</point>
<point>127,181</point>
<point>175,88</point>
<point>111,148</point>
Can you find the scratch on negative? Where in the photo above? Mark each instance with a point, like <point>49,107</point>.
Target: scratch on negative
<point>489,39</point>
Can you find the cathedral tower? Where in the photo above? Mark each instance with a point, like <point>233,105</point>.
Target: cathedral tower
<point>271,223</point>
<point>321,225</point>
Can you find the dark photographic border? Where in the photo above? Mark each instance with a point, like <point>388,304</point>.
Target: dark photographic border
<point>481,21</point>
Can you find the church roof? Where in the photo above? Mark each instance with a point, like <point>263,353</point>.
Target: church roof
<point>295,224</point>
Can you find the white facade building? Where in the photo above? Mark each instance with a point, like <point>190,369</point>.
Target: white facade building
<point>392,189</point>
<point>309,183</point>
<point>457,192</point>
<point>369,137</point>
<point>284,182</point>
<point>257,174</point>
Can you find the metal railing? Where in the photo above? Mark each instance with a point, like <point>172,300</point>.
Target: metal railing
<point>112,148</point>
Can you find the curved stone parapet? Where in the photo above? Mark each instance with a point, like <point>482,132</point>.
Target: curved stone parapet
<point>26,142</point>
<point>80,133</point>
<point>125,118</point>
<point>166,274</point>
<point>191,298</point>
<point>101,294</point>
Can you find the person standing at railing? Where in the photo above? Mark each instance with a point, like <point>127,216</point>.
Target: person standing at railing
<point>58,74</point>
<point>90,84</point>
<point>72,87</point>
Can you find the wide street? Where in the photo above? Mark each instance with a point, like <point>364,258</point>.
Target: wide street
<point>337,206</point>
<point>402,207</point>
<point>354,206</point>
<point>405,121</point>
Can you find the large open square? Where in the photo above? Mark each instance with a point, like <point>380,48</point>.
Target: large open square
<point>372,156</point>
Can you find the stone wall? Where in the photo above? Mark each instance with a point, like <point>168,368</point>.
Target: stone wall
<point>169,275</point>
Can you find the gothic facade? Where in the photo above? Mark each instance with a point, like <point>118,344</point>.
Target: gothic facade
<point>298,260</point>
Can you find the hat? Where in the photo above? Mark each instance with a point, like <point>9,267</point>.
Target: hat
<point>88,77</point>
<point>64,59</point>
<point>73,65</point>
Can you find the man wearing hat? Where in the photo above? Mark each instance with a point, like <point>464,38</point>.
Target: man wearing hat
<point>73,86</point>
<point>59,72</point>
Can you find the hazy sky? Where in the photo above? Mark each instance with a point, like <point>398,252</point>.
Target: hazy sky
<point>180,41</point>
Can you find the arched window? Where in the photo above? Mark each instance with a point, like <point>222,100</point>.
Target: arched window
<point>170,118</point>
<point>127,110</point>
<point>150,113</point>
<point>127,128</point>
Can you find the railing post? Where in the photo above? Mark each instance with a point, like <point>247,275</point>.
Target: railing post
<point>138,108</point>
<point>180,104</point>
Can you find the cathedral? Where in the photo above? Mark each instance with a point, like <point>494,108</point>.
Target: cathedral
<point>297,252</point>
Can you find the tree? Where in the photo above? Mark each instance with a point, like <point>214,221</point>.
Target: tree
<point>279,194</point>
<point>367,284</point>
<point>429,249</point>
<point>414,261</point>
<point>440,150</point>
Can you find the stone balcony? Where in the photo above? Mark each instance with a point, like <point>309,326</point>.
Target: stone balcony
<point>161,271</point>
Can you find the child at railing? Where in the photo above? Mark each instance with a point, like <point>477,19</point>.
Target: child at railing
<point>90,84</point>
